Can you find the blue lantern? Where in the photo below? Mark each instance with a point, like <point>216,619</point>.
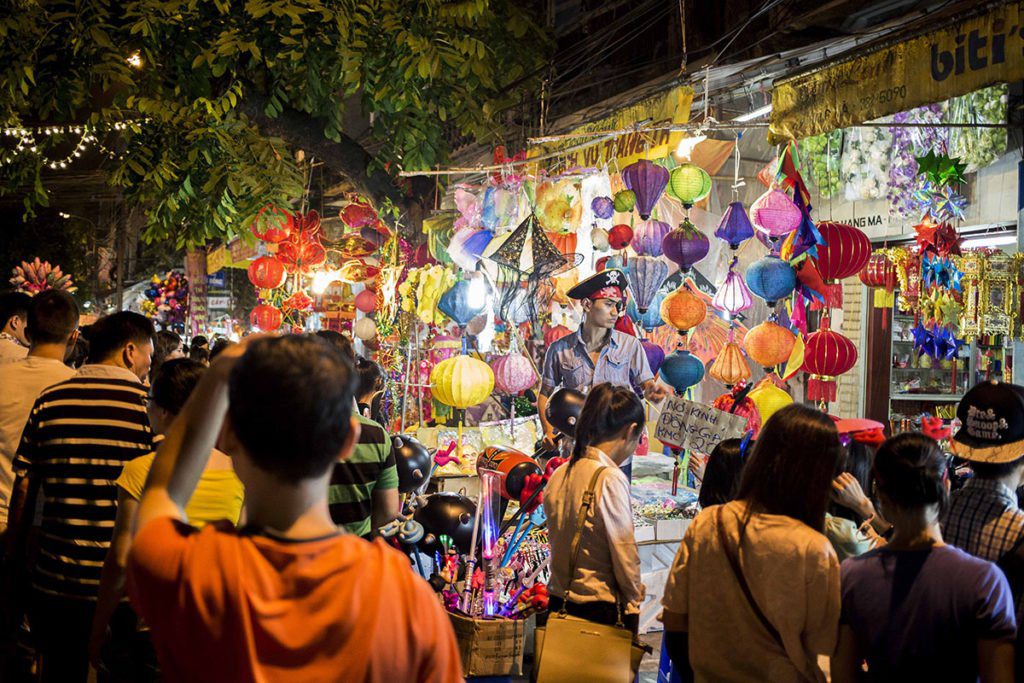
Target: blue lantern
<point>652,318</point>
<point>464,301</point>
<point>771,278</point>
<point>681,370</point>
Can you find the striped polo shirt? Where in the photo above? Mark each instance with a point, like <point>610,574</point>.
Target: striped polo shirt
<point>78,437</point>
<point>371,466</point>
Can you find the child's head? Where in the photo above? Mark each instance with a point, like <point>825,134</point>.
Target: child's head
<point>371,379</point>
<point>722,474</point>
<point>910,473</point>
<point>173,383</point>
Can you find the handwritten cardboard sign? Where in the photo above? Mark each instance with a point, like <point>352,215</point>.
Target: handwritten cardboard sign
<point>694,426</point>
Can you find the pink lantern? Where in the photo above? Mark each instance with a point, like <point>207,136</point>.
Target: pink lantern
<point>366,300</point>
<point>733,296</point>
<point>648,236</point>
<point>775,214</point>
<point>513,374</point>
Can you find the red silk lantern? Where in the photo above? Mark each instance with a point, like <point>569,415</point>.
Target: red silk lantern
<point>267,272</point>
<point>879,272</point>
<point>555,333</point>
<point>769,344</point>
<point>564,242</point>
<point>366,301</point>
<point>273,224</point>
<point>845,252</point>
<point>620,236</point>
<point>513,374</point>
<point>266,317</point>
<point>827,354</point>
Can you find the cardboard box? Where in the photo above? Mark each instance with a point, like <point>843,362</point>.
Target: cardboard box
<point>489,647</point>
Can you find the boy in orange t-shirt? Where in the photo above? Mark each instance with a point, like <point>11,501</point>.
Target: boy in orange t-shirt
<point>290,596</point>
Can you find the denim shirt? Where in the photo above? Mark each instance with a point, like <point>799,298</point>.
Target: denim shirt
<point>622,361</point>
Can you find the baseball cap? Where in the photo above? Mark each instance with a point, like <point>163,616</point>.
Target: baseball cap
<point>992,418</point>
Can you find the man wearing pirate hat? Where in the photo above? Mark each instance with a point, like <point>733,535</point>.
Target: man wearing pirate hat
<point>597,352</point>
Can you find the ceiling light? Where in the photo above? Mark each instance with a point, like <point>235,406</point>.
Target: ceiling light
<point>756,114</point>
<point>993,241</point>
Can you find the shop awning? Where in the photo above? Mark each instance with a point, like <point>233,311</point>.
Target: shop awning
<point>973,53</point>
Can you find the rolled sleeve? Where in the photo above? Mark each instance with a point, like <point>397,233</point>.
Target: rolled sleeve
<point>616,512</point>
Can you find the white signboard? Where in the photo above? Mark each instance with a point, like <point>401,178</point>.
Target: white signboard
<point>694,426</point>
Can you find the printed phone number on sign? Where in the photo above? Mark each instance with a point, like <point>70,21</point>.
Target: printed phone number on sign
<point>897,92</point>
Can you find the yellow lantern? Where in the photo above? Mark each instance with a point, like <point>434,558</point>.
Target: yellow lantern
<point>769,399</point>
<point>731,365</point>
<point>461,382</point>
<point>683,310</point>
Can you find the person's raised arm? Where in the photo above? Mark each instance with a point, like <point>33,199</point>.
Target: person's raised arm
<point>112,578</point>
<point>995,661</point>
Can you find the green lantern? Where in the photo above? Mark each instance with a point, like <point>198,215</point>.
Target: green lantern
<point>624,201</point>
<point>690,183</point>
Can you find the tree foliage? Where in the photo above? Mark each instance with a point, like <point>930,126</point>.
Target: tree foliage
<point>228,90</point>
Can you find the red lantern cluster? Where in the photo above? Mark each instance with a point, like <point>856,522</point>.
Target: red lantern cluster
<point>273,224</point>
<point>302,251</point>
<point>879,272</point>
<point>267,272</point>
<point>845,252</point>
<point>827,354</point>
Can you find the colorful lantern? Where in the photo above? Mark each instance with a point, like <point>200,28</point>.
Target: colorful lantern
<point>300,253</point>
<point>646,276</point>
<point>565,242</point>
<point>267,272</point>
<point>273,224</point>
<point>461,382</point>
<point>647,180</point>
<point>879,271</point>
<point>464,301</point>
<point>266,317</point>
<point>513,374</point>
<point>648,236</point>
<point>733,295</point>
<point>740,407</point>
<point>769,344</point>
<point>599,238</point>
<point>358,215</point>
<point>681,370</point>
<point>683,310</point>
<point>686,245</point>
<point>845,252</point>
<point>603,207</point>
<point>467,246</point>
<point>735,227</point>
<point>775,214</point>
<point>555,333</point>
<point>731,366</point>
<point>690,183</point>
<point>771,278</point>
<point>827,355</point>
<point>366,300</point>
<point>768,399</point>
<point>365,329</point>
<point>655,355</point>
<point>651,319</point>
<point>620,236</point>
<point>624,201</point>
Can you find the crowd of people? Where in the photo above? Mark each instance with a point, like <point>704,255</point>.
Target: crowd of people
<point>210,513</point>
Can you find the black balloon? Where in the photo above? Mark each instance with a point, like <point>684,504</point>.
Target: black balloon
<point>413,462</point>
<point>446,514</point>
<point>564,408</point>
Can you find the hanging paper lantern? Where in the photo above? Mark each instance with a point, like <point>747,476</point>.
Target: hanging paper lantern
<point>827,354</point>
<point>733,295</point>
<point>648,236</point>
<point>686,245</point>
<point>845,252</point>
<point>603,207</point>
<point>366,300</point>
<point>564,242</point>
<point>735,227</point>
<point>683,310</point>
<point>358,215</point>
<point>681,370</point>
<point>620,236</point>
<point>443,347</point>
<point>731,366</point>
<point>879,271</point>
<point>464,301</point>
<point>647,180</point>
<point>555,333</point>
<point>775,214</point>
<point>646,276</point>
<point>301,253</point>
<point>273,224</point>
<point>743,407</point>
<point>624,201</point>
<point>599,238</point>
<point>768,398</point>
<point>769,344</point>
<point>650,319</point>
<point>267,272</point>
<point>266,317</point>
<point>655,355</point>
<point>513,374</point>
<point>467,246</point>
<point>690,183</point>
<point>771,278</point>
<point>461,382</point>
<point>365,329</point>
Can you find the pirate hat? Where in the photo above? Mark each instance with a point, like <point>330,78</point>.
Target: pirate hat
<point>608,284</point>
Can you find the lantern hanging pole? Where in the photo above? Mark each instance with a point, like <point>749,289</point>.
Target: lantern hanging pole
<point>405,388</point>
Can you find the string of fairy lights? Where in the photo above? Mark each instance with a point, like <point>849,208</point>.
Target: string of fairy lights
<point>34,140</point>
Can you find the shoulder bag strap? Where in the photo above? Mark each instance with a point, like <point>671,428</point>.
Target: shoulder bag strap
<point>581,519</point>
<point>741,579</point>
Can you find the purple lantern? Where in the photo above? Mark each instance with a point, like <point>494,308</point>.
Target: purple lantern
<point>735,227</point>
<point>686,245</point>
<point>648,236</point>
<point>655,355</point>
<point>603,207</point>
<point>647,180</point>
<point>733,295</point>
<point>646,276</point>
<point>775,214</point>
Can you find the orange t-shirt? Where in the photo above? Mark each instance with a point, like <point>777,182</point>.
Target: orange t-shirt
<point>225,607</point>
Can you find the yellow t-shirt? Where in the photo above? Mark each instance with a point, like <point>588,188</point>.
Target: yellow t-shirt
<point>218,495</point>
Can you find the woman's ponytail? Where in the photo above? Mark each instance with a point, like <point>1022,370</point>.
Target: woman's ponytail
<point>608,410</point>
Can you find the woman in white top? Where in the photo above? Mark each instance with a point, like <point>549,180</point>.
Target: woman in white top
<point>608,567</point>
<point>753,594</point>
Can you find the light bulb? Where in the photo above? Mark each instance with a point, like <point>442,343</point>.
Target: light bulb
<point>476,295</point>
<point>685,149</point>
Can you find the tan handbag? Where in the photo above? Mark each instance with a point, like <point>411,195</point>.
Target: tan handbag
<point>574,649</point>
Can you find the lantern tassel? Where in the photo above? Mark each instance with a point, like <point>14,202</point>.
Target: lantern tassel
<point>834,295</point>
<point>821,388</point>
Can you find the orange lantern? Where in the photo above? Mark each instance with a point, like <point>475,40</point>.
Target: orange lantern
<point>267,272</point>
<point>683,310</point>
<point>769,344</point>
<point>564,242</point>
<point>266,317</point>
<point>555,333</point>
<point>731,366</point>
